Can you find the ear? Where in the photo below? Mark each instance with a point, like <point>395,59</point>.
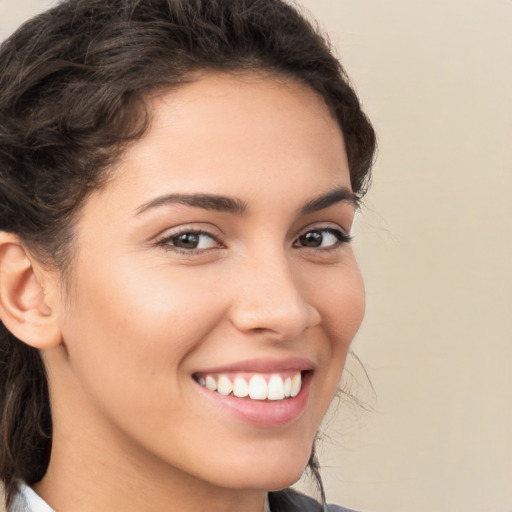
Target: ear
<point>26,294</point>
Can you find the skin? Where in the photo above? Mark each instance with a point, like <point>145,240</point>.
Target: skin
<point>132,430</point>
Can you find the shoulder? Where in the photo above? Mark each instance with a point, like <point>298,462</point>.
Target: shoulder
<point>336,508</point>
<point>293,501</point>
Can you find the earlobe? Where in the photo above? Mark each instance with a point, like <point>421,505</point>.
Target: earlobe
<point>24,309</point>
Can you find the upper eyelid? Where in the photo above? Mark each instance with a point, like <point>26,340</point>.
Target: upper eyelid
<point>190,228</point>
<point>323,226</point>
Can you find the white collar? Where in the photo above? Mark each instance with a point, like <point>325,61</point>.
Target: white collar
<point>28,501</point>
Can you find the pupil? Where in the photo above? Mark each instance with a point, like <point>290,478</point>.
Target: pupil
<point>187,240</point>
<point>312,239</point>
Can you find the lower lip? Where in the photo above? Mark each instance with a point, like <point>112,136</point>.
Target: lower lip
<point>264,413</point>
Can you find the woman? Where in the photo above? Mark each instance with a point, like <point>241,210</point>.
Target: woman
<point>178,294</point>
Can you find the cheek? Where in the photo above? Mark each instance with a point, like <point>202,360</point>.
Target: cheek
<point>136,327</point>
<point>339,296</point>
<point>349,312</point>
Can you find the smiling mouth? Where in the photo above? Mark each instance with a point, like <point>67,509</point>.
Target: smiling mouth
<point>254,386</point>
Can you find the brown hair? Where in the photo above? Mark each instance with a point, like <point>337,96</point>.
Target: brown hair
<point>72,92</point>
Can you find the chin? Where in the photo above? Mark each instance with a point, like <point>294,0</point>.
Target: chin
<point>273,474</point>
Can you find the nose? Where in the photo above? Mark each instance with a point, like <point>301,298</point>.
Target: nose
<point>270,300</point>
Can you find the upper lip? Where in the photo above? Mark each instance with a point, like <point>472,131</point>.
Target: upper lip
<point>262,366</point>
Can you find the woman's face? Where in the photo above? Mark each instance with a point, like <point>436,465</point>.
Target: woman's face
<point>217,256</point>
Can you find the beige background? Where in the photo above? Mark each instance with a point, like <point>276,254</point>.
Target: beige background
<point>435,245</point>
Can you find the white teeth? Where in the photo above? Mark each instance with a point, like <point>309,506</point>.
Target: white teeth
<point>240,388</point>
<point>258,388</point>
<point>287,387</point>
<point>211,383</point>
<point>224,386</point>
<point>296,384</point>
<point>277,388</point>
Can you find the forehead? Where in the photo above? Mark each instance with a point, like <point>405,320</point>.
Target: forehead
<point>235,134</point>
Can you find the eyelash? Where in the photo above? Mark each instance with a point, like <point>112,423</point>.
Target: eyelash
<point>341,237</point>
<point>165,242</point>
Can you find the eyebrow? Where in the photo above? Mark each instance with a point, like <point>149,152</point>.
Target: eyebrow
<point>206,201</point>
<point>338,195</point>
<point>239,207</point>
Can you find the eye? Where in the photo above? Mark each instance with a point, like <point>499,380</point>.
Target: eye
<point>323,238</point>
<point>190,241</point>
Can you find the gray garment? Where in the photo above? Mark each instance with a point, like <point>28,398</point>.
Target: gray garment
<point>307,504</point>
<point>28,501</point>
<point>336,508</point>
